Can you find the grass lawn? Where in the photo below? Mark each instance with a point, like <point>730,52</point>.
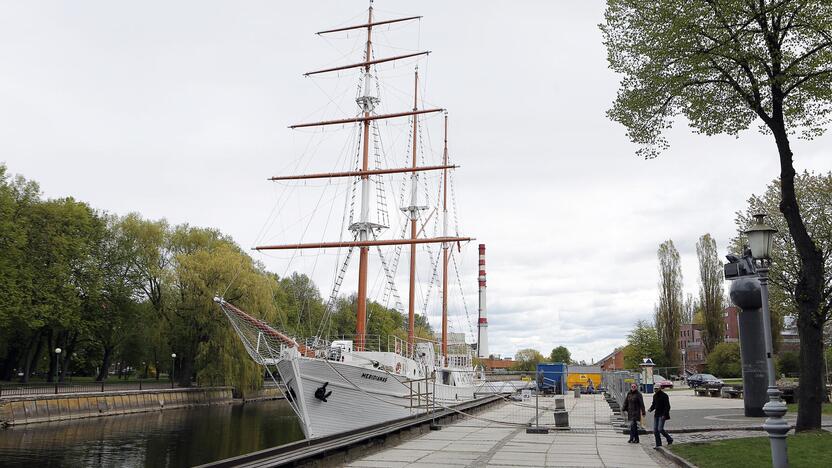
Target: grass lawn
<point>805,450</point>
<point>827,408</point>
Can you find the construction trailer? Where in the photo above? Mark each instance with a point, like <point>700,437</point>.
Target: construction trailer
<point>582,375</point>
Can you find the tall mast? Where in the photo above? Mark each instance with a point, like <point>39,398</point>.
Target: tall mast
<point>368,104</point>
<point>411,315</point>
<point>445,248</point>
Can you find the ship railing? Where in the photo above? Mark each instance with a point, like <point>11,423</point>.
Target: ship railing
<point>420,399</point>
<point>370,342</point>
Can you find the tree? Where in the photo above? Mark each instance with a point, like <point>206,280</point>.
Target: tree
<point>527,359</point>
<point>710,292</point>
<point>643,342</point>
<point>814,193</point>
<point>668,313</point>
<point>725,65</point>
<point>724,360</point>
<point>561,354</point>
<point>788,363</point>
<point>690,308</point>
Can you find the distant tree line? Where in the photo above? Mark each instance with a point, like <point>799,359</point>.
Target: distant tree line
<point>121,294</point>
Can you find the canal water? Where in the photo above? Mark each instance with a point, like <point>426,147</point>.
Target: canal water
<point>169,438</point>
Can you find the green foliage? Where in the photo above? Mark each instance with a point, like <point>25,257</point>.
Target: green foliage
<point>670,307</point>
<point>124,293</point>
<point>527,359</point>
<point>561,354</point>
<point>643,342</point>
<point>814,195</point>
<point>711,293</point>
<point>720,64</point>
<point>725,361</point>
<point>787,363</point>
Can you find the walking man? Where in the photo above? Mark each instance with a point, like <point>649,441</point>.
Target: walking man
<point>634,406</point>
<point>661,403</point>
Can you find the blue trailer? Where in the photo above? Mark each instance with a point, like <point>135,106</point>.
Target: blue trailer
<point>551,377</point>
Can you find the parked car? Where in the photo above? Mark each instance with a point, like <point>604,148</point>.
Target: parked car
<point>704,380</point>
<point>659,381</point>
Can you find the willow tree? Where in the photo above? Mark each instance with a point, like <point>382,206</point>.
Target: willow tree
<point>669,310</point>
<point>710,291</point>
<point>725,65</point>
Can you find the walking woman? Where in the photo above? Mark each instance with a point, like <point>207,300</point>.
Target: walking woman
<point>634,406</point>
<point>661,403</point>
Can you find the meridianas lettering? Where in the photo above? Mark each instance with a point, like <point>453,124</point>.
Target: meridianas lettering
<point>373,377</point>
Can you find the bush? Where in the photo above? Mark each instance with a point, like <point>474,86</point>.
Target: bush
<point>788,363</point>
<point>725,361</point>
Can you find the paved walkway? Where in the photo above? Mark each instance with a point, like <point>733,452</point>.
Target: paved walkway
<point>497,437</point>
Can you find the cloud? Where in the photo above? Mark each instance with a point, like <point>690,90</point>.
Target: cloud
<point>179,111</point>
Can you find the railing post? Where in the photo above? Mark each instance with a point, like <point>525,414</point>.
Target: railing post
<point>102,386</point>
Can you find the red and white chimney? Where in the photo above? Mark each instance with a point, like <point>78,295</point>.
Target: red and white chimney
<point>482,324</point>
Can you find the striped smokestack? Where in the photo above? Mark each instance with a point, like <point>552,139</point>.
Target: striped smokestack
<point>482,324</point>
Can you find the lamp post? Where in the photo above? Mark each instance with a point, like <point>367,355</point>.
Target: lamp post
<point>684,367</point>
<point>172,368</point>
<point>760,237</point>
<point>57,367</point>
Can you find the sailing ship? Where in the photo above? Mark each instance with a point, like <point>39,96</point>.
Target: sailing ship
<point>337,385</point>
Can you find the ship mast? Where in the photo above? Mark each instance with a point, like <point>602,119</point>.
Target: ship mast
<point>445,248</point>
<point>368,104</point>
<point>413,213</point>
<point>364,239</point>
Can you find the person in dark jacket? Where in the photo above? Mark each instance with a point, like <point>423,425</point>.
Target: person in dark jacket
<point>661,403</point>
<point>634,406</point>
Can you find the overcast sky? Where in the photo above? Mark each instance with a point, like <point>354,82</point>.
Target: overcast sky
<point>179,110</point>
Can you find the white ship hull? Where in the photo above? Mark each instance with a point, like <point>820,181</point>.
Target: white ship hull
<point>355,395</point>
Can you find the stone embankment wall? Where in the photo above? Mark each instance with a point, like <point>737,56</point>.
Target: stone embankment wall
<point>271,393</point>
<point>43,408</point>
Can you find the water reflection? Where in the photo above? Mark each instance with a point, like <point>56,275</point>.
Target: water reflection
<point>170,438</point>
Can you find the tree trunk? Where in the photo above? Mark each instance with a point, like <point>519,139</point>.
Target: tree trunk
<point>10,363</point>
<point>808,294</point>
<point>66,356</point>
<point>105,364</point>
<point>184,372</point>
<point>31,359</point>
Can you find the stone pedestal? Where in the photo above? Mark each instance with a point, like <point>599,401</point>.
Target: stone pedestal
<point>745,294</point>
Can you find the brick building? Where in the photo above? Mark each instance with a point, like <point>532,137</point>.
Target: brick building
<point>613,361</point>
<point>690,342</point>
<point>732,325</point>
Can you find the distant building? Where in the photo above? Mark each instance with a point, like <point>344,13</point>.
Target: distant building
<point>790,339</point>
<point>732,325</point>
<point>492,364</point>
<point>612,361</point>
<point>690,340</point>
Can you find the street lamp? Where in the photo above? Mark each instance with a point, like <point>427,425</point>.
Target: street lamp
<point>57,364</point>
<point>760,237</point>
<point>172,368</point>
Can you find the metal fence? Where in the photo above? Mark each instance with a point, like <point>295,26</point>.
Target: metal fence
<point>617,384</point>
<point>8,390</point>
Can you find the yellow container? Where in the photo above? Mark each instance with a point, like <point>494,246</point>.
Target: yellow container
<point>581,377</point>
